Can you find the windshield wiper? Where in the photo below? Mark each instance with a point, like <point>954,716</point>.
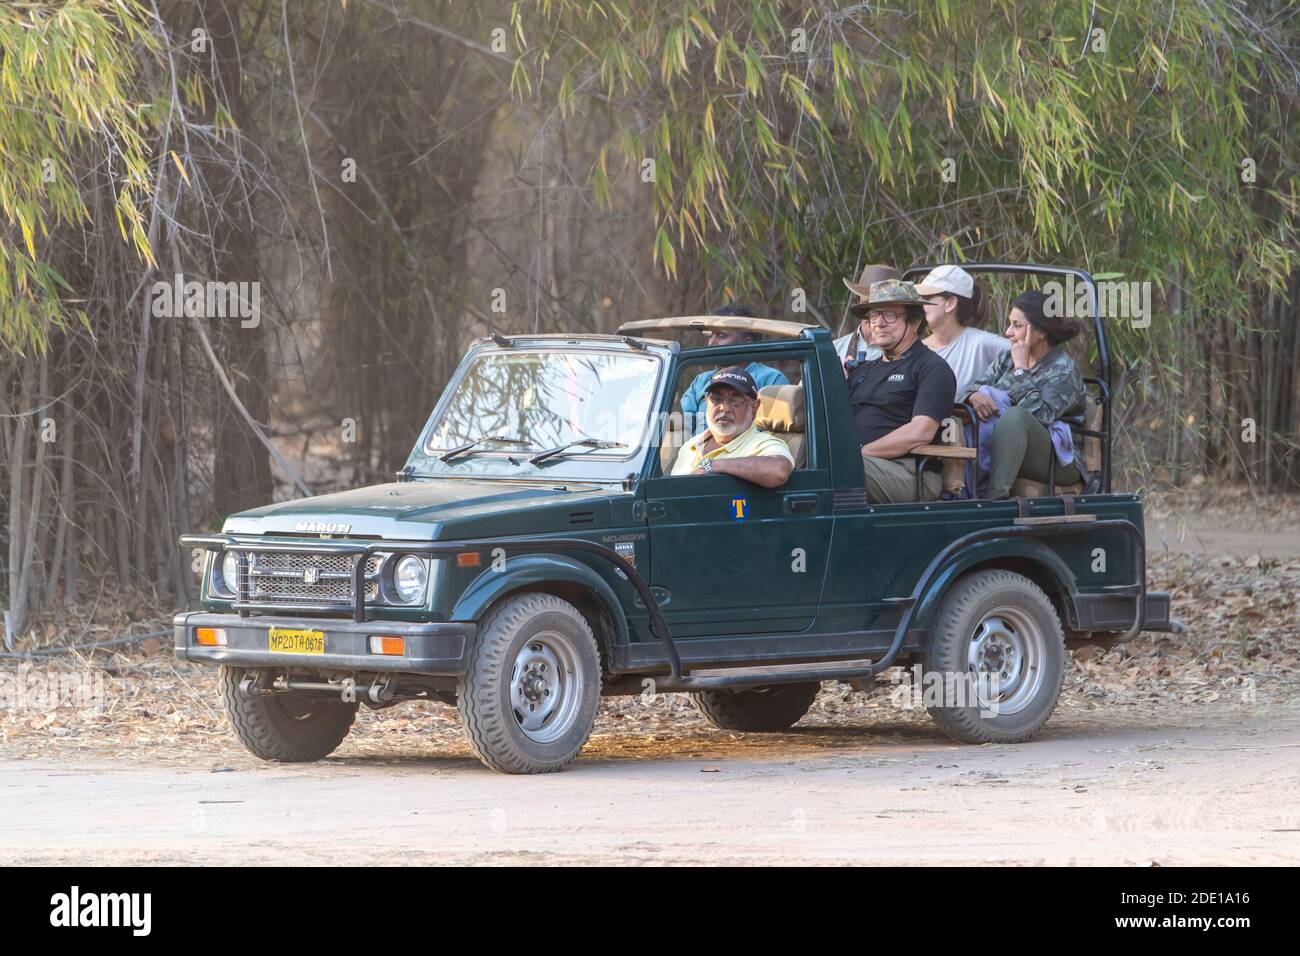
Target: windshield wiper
<point>583,442</point>
<point>456,452</point>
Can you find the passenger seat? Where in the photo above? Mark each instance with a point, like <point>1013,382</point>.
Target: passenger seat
<point>781,411</point>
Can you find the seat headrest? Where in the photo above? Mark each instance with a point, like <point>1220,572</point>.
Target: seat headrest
<point>1093,411</point>
<point>780,408</point>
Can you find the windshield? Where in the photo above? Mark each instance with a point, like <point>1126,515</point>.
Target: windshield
<point>546,399</point>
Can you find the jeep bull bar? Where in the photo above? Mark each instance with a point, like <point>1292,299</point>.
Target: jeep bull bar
<point>362,552</point>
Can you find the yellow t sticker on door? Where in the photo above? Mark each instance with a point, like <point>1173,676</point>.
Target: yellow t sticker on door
<point>738,506</point>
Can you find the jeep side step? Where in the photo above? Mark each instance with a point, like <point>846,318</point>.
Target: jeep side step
<point>712,678</point>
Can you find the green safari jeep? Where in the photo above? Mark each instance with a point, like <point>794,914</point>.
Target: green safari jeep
<point>535,553</point>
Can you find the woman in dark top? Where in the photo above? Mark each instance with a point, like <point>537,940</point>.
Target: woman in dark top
<point>1034,391</point>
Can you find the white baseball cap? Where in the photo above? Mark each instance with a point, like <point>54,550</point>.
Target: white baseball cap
<point>950,280</point>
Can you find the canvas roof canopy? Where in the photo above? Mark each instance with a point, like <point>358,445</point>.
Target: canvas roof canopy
<point>720,323</point>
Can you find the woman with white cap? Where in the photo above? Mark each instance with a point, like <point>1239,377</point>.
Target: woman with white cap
<point>954,304</point>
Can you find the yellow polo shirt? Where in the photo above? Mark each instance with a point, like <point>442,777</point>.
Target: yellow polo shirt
<point>750,443</point>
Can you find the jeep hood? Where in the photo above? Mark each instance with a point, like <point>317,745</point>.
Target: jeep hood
<point>441,508</point>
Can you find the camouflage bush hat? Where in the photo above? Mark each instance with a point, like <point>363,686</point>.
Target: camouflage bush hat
<point>888,292</point>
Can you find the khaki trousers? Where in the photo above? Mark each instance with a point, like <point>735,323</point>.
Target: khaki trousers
<point>894,480</point>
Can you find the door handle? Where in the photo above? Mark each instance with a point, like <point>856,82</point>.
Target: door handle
<point>801,504</point>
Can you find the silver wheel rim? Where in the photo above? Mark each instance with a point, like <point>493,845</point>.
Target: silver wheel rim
<point>1005,656</point>
<point>546,686</point>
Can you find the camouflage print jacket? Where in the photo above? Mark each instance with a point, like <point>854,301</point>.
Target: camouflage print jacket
<point>1050,391</point>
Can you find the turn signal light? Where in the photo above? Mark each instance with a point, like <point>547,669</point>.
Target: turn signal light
<point>386,644</point>
<point>210,636</point>
<point>469,559</point>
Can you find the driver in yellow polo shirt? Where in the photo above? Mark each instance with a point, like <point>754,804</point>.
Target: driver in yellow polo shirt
<point>733,444</point>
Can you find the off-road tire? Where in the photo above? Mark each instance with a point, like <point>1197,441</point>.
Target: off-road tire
<point>771,708</point>
<point>998,599</point>
<point>284,727</point>
<point>493,724</point>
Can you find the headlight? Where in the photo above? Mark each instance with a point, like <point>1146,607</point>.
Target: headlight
<point>410,577</point>
<point>225,577</point>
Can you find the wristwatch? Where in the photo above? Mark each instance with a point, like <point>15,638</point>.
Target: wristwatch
<point>706,466</point>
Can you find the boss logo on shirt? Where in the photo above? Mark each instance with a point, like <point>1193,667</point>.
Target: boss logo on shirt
<point>897,377</point>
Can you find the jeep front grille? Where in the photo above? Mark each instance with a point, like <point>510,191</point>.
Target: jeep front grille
<point>279,579</point>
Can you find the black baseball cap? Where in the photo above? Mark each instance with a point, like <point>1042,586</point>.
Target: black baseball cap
<point>736,377</point>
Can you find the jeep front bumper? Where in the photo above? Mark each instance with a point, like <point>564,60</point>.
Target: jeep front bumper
<point>435,649</point>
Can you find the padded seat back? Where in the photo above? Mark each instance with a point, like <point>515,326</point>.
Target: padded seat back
<point>1093,416</point>
<point>781,411</point>
<point>954,469</point>
<point>673,438</point>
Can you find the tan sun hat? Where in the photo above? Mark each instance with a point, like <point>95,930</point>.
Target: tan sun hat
<point>871,275</point>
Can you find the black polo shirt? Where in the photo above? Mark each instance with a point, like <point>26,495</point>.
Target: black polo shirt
<point>886,395</point>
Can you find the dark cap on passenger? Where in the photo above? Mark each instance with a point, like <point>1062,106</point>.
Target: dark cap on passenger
<point>737,378</point>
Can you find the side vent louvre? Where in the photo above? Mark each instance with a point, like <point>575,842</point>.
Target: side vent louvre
<point>582,517</point>
<point>849,499</point>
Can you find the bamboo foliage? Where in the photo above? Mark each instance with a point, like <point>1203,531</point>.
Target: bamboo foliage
<point>74,149</point>
<point>783,133</point>
<point>68,75</point>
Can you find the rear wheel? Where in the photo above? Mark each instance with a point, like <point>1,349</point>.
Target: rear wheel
<point>529,699</point>
<point>291,728</point>
<point>776,707</point>
<point>996,660</point>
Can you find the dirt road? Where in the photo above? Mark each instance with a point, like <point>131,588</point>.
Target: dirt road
<point>1210,785</point>
<point>1233,528</point>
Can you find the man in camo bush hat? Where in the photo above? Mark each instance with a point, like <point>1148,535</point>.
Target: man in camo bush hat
<point>900,398</point>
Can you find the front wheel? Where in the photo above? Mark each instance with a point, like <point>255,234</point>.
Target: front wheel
<point>290,728</point>
<point>528,700</point>
<point>996,660</point>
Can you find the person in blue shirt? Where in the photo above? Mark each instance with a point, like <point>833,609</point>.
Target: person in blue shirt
<point>694,412</point>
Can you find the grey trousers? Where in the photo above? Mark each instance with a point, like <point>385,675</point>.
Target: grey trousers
<point>894,480</point>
